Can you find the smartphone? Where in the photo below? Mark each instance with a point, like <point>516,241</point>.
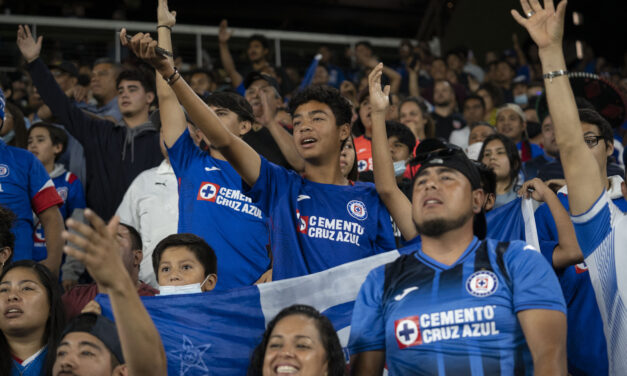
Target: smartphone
<point>158,50</point>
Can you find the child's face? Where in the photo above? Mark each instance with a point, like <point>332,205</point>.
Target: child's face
<point>179,266</point>
<point>40,144</point>
<point>398,150</point>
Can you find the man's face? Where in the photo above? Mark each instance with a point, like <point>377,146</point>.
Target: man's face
<point>601,150</point>
<point>231,121</point>
<point>473,111</point>
<point>454,63</point>
<point>321,77</point>
<point>317,137</point>
<point>548,137</point>
<point>443,200</point>
<point>504,73</point>
<point>256,51</point>
<point>365,113</point>
<point>510,124</point>
<point>252,95</point>
<point>200,83</point>
<point>82,354</point>
<point>412,117</point>
<point>40,144</point>
<point>123,235</point>
<point>132,98</point>
<point>438,70</point>
<point>480,133</point>
<point>103,78</point>
<point>398,150</point>
<point>443,94</point>
<point>64,79</point>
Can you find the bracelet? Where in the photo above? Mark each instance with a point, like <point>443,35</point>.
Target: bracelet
<point>170,80</point>
<point>166,26</point>
<point>554,74</point>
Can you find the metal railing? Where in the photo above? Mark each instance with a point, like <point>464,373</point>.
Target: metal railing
<point>199,31</point>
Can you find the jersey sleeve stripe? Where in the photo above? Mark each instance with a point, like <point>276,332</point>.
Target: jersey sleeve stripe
<point>47,197</point>
<point>593,211</point>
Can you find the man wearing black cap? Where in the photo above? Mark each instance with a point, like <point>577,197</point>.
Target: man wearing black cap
<point>457,305</point>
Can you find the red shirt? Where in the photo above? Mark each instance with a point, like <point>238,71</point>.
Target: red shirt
<point>77,298</point>
<point>363,148</point>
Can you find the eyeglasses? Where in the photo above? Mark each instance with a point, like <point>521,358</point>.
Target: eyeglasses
<point>592,141</point>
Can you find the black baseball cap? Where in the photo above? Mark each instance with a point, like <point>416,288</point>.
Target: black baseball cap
<point>66,67</point>
<point>99,327</point>
<point>256,75</point>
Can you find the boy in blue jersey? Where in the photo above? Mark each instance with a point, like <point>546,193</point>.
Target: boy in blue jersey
<point>599,224</point>
<point>26,188</point>
<point>317,221</point>
<point>457,305</point>
<point>212,204</point>
<point>47,142</point>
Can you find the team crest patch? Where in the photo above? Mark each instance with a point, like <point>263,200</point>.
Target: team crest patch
<point>63,192</point>
<point>357,210</point>
<point>482,283</point>
<point>362,165</point>
<point>4,170</point>
<point>407,332</point>
<point>208,192</point>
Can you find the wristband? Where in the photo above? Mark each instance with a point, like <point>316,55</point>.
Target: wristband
<point>173,77</point>
<point>554,74</point>
<point>166,26</point>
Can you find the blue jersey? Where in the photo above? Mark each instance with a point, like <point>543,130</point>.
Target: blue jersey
<point>25,187</point>
<point>71,191</point>
<point>212,206</point>
<point>459,319</point>
<point>33,366</point>
<point>587,351</point>
<point>317,226</point>
<point>602,236</point>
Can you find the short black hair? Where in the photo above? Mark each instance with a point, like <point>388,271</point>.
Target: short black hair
<point>504,61</point>
<point>7,238</point>
<point>495,93</point>
<point>146,79</point>
<point>232,102</point>
<point>259,38</point>
<point>366,44</point>
<point>136,239</point>
<point>511,150</point>
<point>475,97</point>
<point>340,106</point>
<point>195,244</point>
<point>590,116</point>
<point>336,363</point>
<point>58,136</point>
<point>488,178</point>
<point>481,124</point>
<point>402,133</point>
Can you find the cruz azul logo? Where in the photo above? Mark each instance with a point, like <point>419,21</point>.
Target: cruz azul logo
<point>407,332</point>
<point>333,229</point>
<point>4,170</point>
<point>482,283</point>
<point>232,198</point>
<point>357,210</point>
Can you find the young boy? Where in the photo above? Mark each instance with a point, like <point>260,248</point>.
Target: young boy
<point>184,264</point>
<point>317,221</point>
<point>47,142</point>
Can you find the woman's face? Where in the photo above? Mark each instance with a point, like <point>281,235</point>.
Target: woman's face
<point>495,157</point>
<point>24,304</point>
<point>347,157</point>
<point>411,116</point>
<point>295,348</point>
<point>364,113</point>
<point>510,124</point>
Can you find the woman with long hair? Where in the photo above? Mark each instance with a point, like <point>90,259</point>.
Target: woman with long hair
<point>501,155</point>
<point>31,320</point>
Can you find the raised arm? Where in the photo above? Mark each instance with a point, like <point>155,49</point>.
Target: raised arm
<point>385,182</point>
<point>52,223</point>
<point>414,77</point>
<point>237,152</point>
<point>141,344</point>
<point>225,54</point>
<point>546,28</point>
<point>567,252</point>
<point>172,117</point>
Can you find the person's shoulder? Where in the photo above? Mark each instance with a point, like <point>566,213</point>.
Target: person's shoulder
<point>501,248</point>
<point>81,290</point>
<point>145,289</point>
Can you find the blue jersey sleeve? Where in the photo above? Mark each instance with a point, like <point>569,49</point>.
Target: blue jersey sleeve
<point>385,233</point>
<point>368,323</point>
<point>183,153</point>
<point>272,183</point>
<point>535,285</point>
<point>76,196</point>
<point>593,226</point>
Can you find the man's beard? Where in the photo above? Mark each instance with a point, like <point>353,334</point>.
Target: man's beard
<point>436,227</point>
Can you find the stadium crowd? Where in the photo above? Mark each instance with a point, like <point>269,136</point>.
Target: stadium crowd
<point>497,186</point>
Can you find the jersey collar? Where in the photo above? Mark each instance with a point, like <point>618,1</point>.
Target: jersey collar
<point>438,265</point>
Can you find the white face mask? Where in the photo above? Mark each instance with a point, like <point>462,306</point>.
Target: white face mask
<point>473,150</point>
<point>193,288</point>
<point>399,168</point>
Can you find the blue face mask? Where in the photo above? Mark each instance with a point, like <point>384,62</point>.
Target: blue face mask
<point>521,99</point>
<point>399,168</point>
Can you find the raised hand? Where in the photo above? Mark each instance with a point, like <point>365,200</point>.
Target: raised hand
<point>101,254</point>
<point>143,46</point>
<point>164,15</point>
<point>224,34</point>
<point>535,189</point>
<point>26,43</point>
<point>545,25</point>
<point>379,99</point>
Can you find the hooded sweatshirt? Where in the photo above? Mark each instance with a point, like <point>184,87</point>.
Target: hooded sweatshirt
<point>114,153</point>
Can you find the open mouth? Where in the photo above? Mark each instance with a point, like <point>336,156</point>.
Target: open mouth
<point>431,202</point>
<point>308,141</point>
<point>12,313</point>
<point>286,370</point>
